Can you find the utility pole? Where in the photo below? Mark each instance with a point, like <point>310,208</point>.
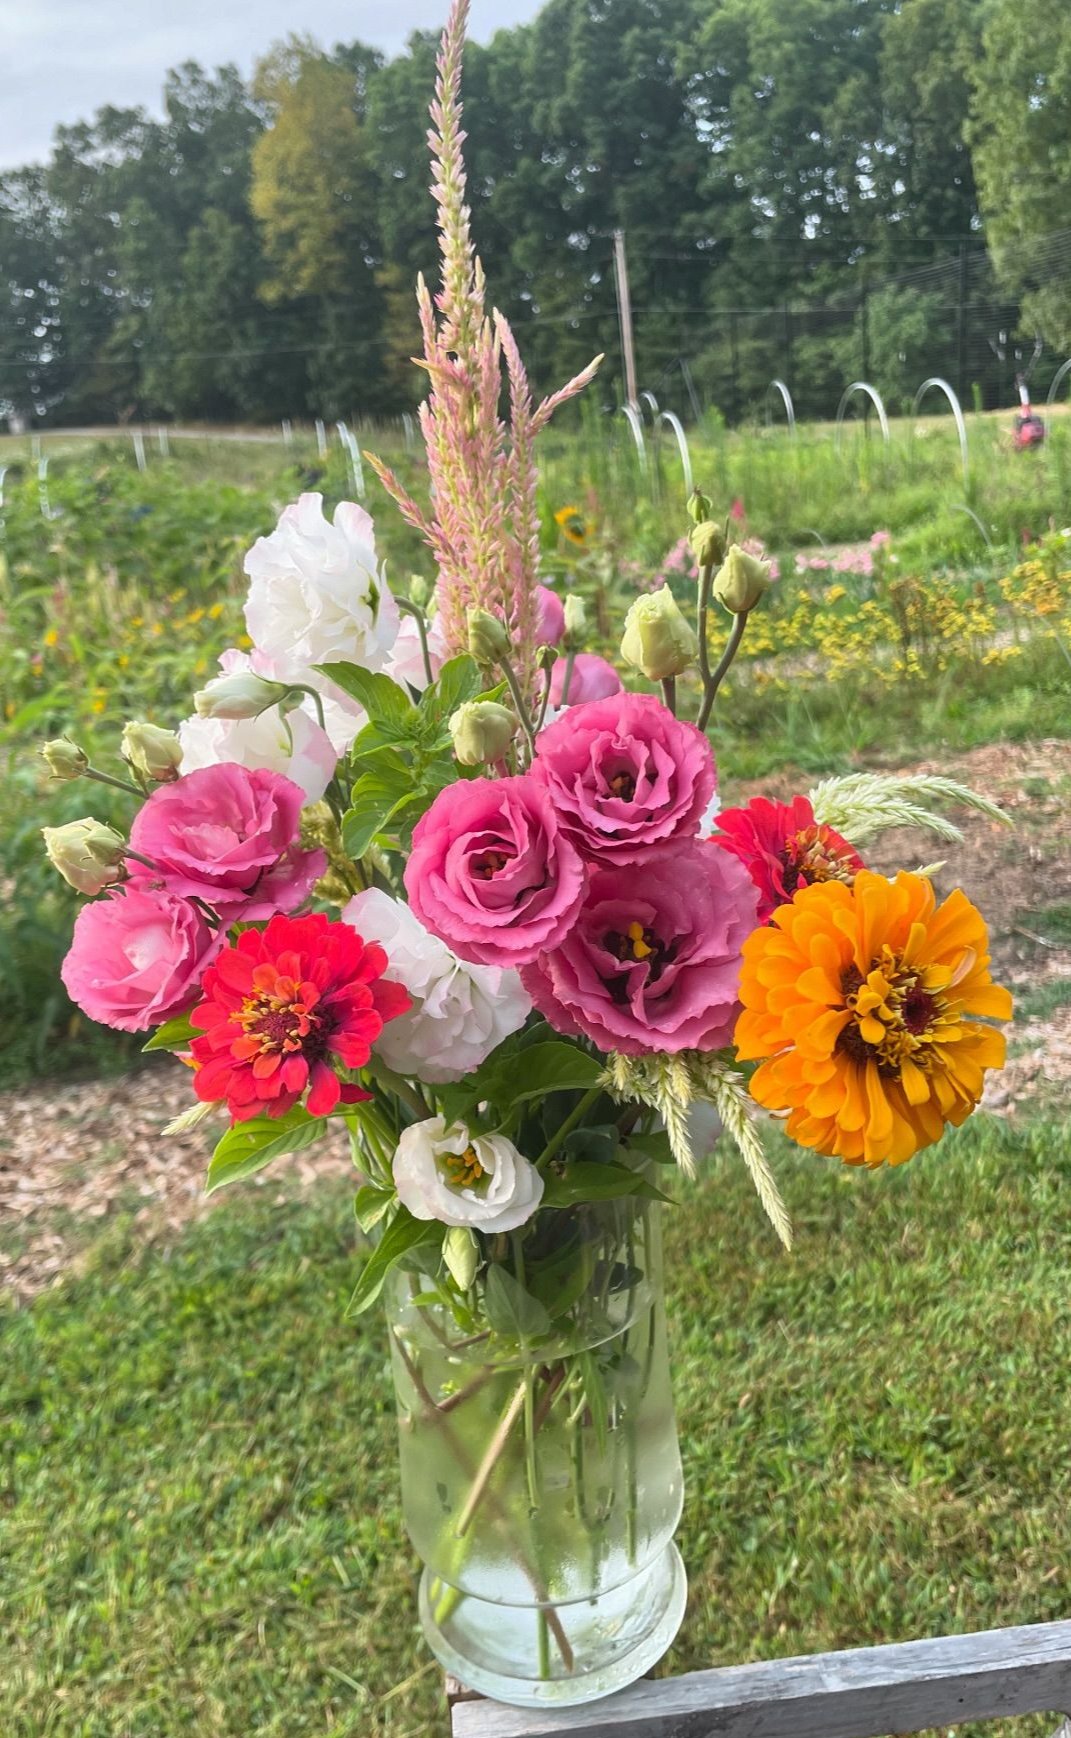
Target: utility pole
<point>624,319</point>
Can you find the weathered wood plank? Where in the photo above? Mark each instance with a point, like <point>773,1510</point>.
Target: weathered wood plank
<point>861,1693</point>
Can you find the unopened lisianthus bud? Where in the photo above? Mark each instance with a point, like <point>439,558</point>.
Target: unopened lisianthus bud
<point>482,732</point>
<point>419,590</point>
<point>64,758</point>
<point>488,637</point>
<point>154,754</point>
<point>657,639</point>
<point>576,621</point>
<point>87,853</point>
<point>707,543</point>
<point>700,507</point>
<point>741,581</point>
<point>238,695</point>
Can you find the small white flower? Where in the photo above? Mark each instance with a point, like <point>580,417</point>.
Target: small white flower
<point>242,694</point>
<point>316,592</point>
<point>460,1013</point>
<point>461,1179</point>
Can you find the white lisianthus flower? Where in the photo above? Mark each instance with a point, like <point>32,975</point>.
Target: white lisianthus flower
<point>316,592</point>
<point>294,746</point>
<point>406,661</point>
<point>460,1013</point>
<point>461,1179</point>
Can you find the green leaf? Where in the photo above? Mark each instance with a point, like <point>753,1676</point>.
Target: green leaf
<point>511,1309</point>
<point>249,1146</point>
<point>548,1067</point>
<point>595,1182</point>
<point>654,1147</point>
<point>173,1035</point>
<point>402,1234</point>
<point>374,801</point>
<point>458,681</point>
<point>381,698</point>
<point>371,1204</point>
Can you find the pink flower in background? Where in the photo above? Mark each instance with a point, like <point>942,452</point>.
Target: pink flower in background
<point>653,960</point>
<point>592,679</point>
<point>228,836</point>
<point>625,776</point>
<point>550,616</point>
<point>880,539</point>
<point>492,873</point>
<point>136,958</point>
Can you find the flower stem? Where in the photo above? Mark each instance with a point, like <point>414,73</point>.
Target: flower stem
<point>713,682</point>
<point>403,1089</point>
<point>669,693</point>
<point>570,660</point>
<point>579,1110</point>
<point>519,702</point>
<point>407,605</point>
<point>118,784</point>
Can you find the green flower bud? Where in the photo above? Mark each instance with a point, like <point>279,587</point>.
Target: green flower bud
<point>576,622</point>
<point>741,581</point>
<point>488,637</point>
<point>657,639</point>
<point>87,853</point>
<point>155,755</point>
<point>64,758</point>
<point>242,694</point>
<point>419,590</point>
<point>700,507</point>
<point>707,543</point>
<point>482,731</point>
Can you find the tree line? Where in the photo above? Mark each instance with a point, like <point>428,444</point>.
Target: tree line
<point>251,254</point>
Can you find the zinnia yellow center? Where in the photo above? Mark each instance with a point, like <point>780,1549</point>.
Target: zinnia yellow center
<point>899,1014</point>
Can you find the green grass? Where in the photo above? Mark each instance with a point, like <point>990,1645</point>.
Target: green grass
<point>201,1525</point>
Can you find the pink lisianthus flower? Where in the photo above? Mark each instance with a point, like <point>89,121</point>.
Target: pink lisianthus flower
<point>653,960</point>
<point>783,848</point>
<point>492,873</point>
<point>592,679</point>
<point>550,617</point>
<point>227,835</point>
<point>136,958</point>
<point>624,776</point>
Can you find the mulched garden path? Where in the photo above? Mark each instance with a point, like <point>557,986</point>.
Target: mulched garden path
<point>74,1157</point>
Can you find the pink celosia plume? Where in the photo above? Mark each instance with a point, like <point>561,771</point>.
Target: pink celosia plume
<point>483,526</point>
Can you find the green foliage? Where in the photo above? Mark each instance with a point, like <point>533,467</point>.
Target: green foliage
<point>249,1146</point>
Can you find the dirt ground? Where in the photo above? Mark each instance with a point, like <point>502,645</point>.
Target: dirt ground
<point>73,1157</point>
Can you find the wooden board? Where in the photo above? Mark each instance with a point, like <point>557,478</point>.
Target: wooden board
<point>862,1693</point>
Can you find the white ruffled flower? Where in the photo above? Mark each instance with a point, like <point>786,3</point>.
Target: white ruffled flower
<point>317,594</point>
<point>460,1013</point>
<point>295,746</point>
<point>461,1179</point>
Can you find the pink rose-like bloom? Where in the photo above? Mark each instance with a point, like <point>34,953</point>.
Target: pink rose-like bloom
<point>653,960</point>
<point>492,874</point>
<point>137,958</point>
<point>550,617</point>
<point>227,834</point>
<point>592,679</point>
<point>625,776</point>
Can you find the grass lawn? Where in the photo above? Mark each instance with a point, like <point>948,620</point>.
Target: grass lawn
<point>201,1532</point>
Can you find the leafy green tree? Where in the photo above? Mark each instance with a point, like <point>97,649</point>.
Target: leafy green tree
<point>1021,140</point>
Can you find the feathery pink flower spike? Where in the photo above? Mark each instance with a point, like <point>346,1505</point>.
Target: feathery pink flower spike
<point>483,525</point>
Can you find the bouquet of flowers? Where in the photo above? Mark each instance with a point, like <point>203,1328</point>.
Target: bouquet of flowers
<point>439,877</point>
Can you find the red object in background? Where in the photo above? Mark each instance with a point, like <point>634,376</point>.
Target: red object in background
<point>1028,429</point>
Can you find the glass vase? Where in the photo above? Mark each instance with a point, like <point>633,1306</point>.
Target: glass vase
<point>541,1477</point>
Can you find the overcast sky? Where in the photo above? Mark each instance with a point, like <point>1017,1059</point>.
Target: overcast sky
<point>60,60</point>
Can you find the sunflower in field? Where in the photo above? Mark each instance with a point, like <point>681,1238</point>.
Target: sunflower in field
<point>570,522</point>
<point>858,1001</point>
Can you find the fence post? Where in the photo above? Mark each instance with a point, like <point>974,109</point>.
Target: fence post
<point>961,324</point>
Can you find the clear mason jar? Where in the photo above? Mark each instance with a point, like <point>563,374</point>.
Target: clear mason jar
<point>541,1477</point>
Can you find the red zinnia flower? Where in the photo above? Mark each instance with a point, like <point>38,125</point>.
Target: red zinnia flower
<point>281,1004</point>
<point>784,848</point>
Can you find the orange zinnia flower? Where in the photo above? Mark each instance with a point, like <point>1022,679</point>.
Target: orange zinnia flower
<point>856,999</point>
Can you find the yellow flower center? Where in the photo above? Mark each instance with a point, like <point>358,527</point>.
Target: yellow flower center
<point>641,948</point>
<point>900,1013</point>
<point>463,1170</point>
